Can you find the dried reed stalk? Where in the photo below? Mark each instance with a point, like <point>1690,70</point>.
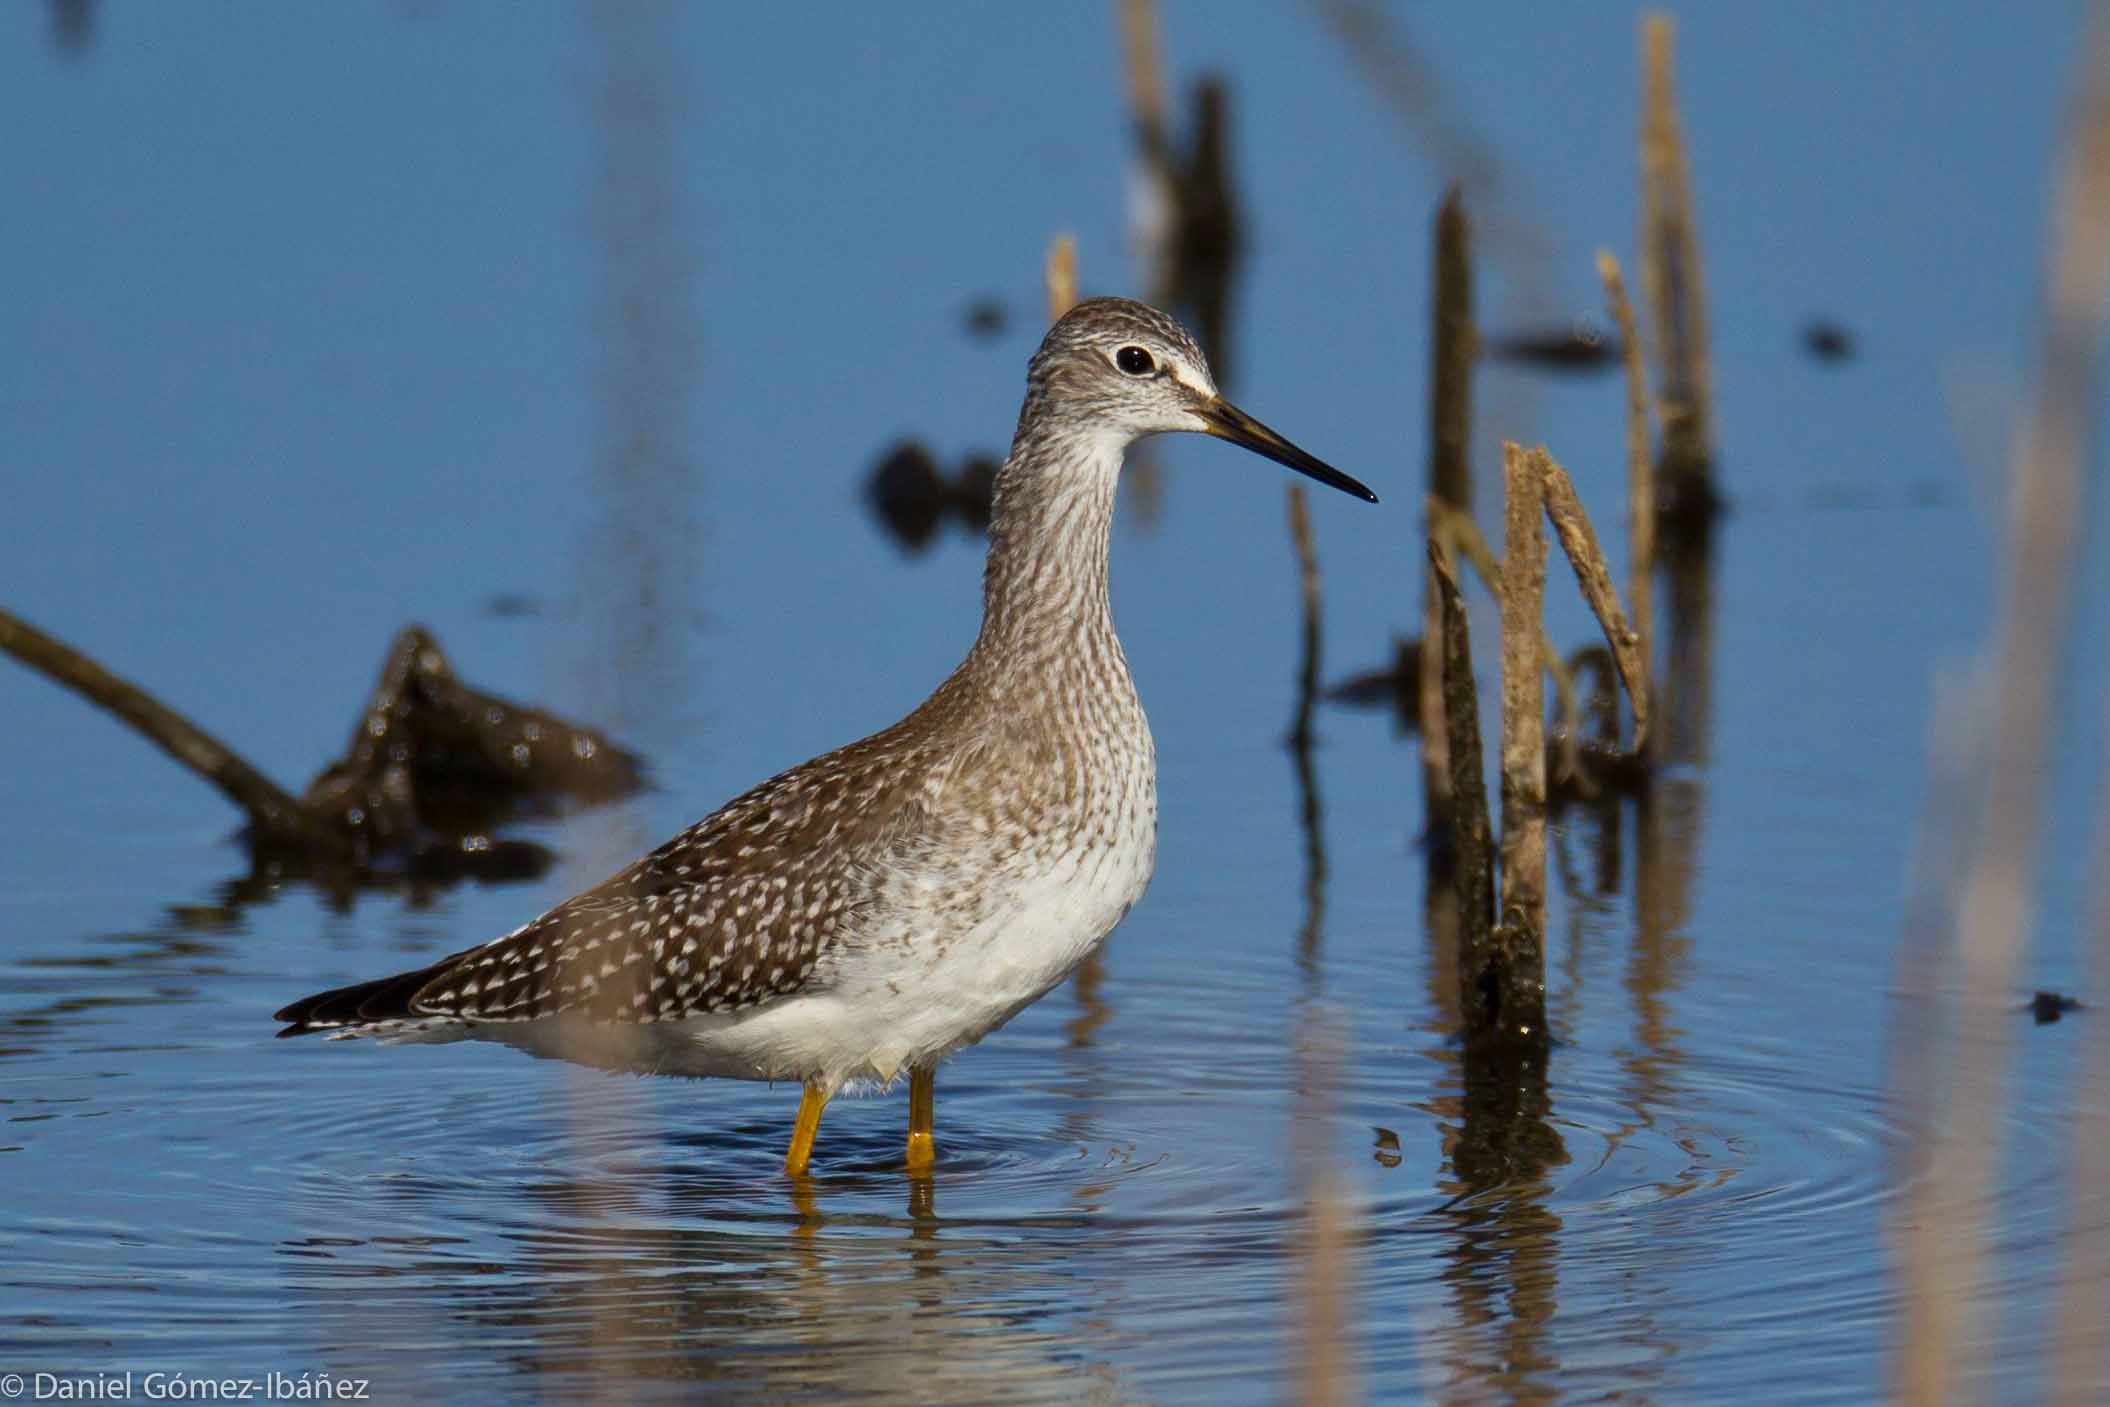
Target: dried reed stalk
<point>1941,1226</point>
<point>1579,542</point>
<point>1146,74</point>
<point>1308,588</point>
<point>1453,348</point>
<point>1670,267</point>
<point>1474,873</point>
<point>1463,534</point>
<point>1062,276</point>
<point>1521,933</point>
<point>1640,479</point>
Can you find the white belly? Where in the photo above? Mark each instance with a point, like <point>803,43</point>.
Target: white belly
<point>915,1006</point>
<point>912,993</point>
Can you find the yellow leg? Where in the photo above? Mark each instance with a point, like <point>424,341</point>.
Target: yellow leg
<point>922,1151</point>
<point>810,1106</point>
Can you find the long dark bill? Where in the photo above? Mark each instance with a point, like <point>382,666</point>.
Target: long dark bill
<point>1228,422</point>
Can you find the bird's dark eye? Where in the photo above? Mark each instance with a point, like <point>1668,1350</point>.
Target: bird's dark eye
<point>1135,361</point>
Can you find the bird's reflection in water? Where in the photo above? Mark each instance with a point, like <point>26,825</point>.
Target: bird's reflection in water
<point>1084,1081</point>
<point>622,1278</point>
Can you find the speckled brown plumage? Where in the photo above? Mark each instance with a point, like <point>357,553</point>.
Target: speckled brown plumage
<point>733,911</point>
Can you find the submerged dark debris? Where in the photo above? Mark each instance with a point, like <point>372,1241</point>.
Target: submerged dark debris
<point>912,496</point>
<point>1396,686</point>
<point>2046,1007</point>
<point>1827,341</point>
<point>433,762</point>
<point>433,768</point>
<point>1578,348</point>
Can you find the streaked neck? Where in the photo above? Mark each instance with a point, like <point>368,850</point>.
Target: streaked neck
<point>1044,588</point>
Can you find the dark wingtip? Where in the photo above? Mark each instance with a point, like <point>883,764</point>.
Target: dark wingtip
<point>297,1013</point>
<point>300,1015</point>
<point>360,1004</point>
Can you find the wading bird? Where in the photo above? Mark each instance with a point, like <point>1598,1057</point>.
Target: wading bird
<point>879,907</point>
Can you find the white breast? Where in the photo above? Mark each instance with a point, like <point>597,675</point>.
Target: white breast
<point>1039,915</point>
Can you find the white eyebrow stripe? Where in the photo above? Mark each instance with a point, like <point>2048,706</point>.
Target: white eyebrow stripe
<point>1185,375</point>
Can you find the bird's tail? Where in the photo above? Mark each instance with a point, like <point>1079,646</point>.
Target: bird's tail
<point>377,1003</point>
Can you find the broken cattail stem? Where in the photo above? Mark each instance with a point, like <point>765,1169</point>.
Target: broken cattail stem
<point>1146,75</point>
<point>1474,871</point>
<point>1579,542</point>
<point>1308,588</point>
<point>1670,266</point>
<point>1435,741</point>
<point>1463,534</point>
<point>1640,481</point>
<point>1520,935</point>
<point>1523,589</point>
<point>1453,345</point>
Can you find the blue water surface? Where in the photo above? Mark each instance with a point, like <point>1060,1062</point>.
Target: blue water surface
<point>573,331</point>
